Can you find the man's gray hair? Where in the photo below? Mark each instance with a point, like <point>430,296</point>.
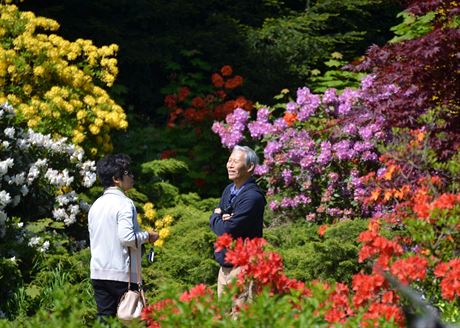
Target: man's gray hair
<point>251,156</point>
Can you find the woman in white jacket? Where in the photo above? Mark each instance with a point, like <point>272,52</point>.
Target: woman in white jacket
<point>113,230</point>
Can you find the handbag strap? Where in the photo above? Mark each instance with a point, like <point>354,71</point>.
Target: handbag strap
<point>138,271</point>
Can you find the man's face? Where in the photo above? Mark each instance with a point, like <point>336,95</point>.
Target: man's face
<point>237,169</point>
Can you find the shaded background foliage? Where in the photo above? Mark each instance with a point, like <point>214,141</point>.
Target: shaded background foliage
<point>273,44</point>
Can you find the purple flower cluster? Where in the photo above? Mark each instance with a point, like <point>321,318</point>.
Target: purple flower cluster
<point>232,132</point>
<point>312,168</point>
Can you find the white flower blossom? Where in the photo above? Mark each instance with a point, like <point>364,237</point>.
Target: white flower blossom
<point>41,162</point>
<point>5,165</point>
<point>34,172</point>
<point>77,155</point>
<point>67,198</point>
<point>89,178</point>
<point>21,175</point>
<point>84,206</point>
<point>74,209</point>
<point>70,219</point>
<point>44,247</point>
<point>59,179</point>
<point>9,132</point>
<point>20,224</point>
<point>60,214</point>
<point>22,144</point>
<point>24,190</point>
<point>34,241</point>
<point>17,179</point>
<point>13,259</point>
<point>5,198</point>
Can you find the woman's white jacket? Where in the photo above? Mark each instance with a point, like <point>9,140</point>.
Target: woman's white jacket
<point>113,227</point>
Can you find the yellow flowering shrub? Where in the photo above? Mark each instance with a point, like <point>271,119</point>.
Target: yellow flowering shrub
<point>57,86</point>
<point>149,221</point>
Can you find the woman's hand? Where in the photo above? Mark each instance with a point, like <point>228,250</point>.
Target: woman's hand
<point>153,236</point>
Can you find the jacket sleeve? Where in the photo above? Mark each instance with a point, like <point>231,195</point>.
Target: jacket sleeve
<point>126,230</point>
<point>241,220</point>
<point>215,218</point>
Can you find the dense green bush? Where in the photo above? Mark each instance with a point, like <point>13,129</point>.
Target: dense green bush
<point>187,257</point>
<point>308,256</point>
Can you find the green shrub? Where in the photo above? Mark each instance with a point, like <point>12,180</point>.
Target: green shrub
<point>187,257</point>
<point>309,256</point>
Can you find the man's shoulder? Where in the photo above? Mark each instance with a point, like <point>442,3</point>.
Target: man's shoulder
<point>253,191</point>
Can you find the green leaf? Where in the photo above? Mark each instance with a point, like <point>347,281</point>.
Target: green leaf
<point>164,166</point>
<point>33,291</point>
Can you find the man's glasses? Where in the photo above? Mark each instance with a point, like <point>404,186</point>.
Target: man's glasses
<point>128,173</point>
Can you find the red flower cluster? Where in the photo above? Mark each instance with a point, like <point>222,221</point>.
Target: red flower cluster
<point>339,305</point>
<point>213,106</point>
<point>289,118</point>
<point>420,208</point>
<point>147,312</point>
<point>410,269</point>
<point>264,268</point>
<point>382,310</point>
<point>168,153</point>
<point>378,245</point>
<point>450,274</point>
<point>198,291</point>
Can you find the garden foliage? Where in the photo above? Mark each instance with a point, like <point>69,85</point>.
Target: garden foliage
<point>410,189</point>
<point>364,191</point>
<point>40,182</point>
<point>57,86</point>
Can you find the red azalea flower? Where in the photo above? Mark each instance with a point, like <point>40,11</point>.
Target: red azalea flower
<point>168,153</point>
<point>223,241</point>
<point>170,101</point>
<point>217,80</point>
<point>322,229</point>
<point>198,102</point>
<point>226,70</point>
<point>234,82</point>
<point>183,93</point>
<point>410,269</point>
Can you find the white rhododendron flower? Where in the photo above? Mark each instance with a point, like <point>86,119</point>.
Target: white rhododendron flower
<point>5,165</point>
<point>40,167</point>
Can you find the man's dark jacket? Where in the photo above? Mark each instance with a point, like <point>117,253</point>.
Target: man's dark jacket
<point>248,214</point>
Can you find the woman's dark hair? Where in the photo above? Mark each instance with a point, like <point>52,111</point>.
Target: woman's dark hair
<point>112,166</point>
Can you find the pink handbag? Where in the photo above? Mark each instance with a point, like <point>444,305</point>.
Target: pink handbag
<point>133,301</point>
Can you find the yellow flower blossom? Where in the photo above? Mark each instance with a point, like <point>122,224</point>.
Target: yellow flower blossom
<point>81,114</point>
<point>150,213</point>
<point>39,71</point>
<point>148,206</point>
<point>168,219</point>
<point>98,122</point>
<point>56,95</point>
<point>159,243</point>
<point>27,88</point>
<point>78,137</point>
<point>94,129</point>
<point>89,100</point>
